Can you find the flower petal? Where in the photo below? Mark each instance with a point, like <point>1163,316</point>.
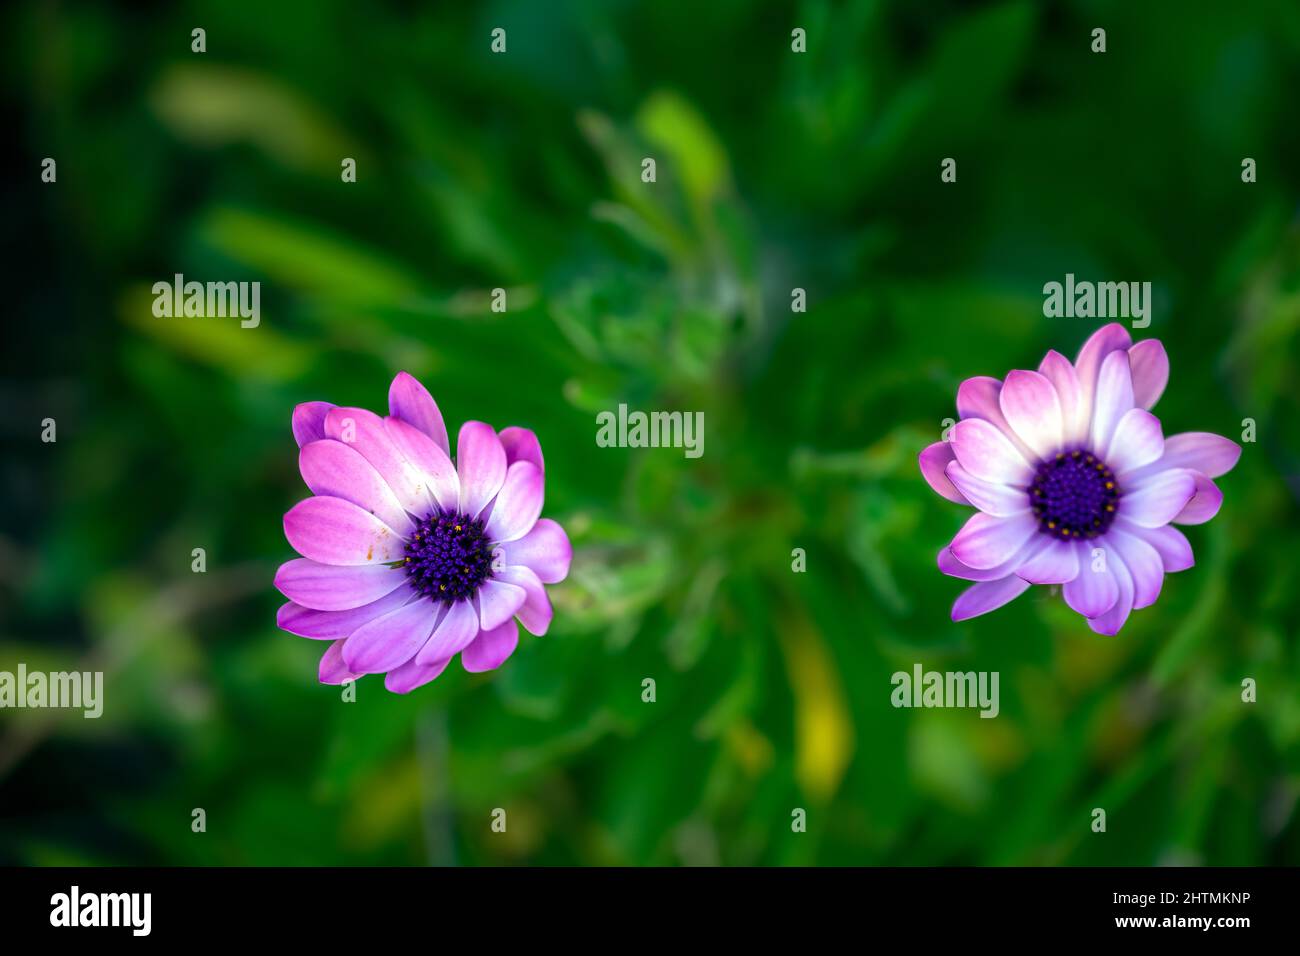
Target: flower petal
<point>404,679</point>
<point>949,564</point>
<point>545,549</point>
<point>335,625</point>
<point>1158,499</point>
<point>332,670</point>
<point>978,398</point>
<point>987,596</point>
<point>1138,441</point>
<point>1113,619</point>
<point>933,460</point>
<point>987,453</point>
<point>491,648</point>
<point>1204,504</point>
<point>451,635</point>
<point>1087,365</point>
<point>521,445</point>
<point>1092,591</point>
<point>437,473</point>
<point>1172,545</point>
<point>535,613</point>
<point>1075,415</point>
<point>1144,565</point>
<point>1055,564</point>
<point>411,402</point>
<point>1111,399</point>
<point>391,640</point>
<point>336,470</point>
<point>309,421</point>
<point>498,602</point>
<point>335,531</point>
<point>1150,366</point>
<point>986,541</point>
<point>1033,410</point>
<point>990,497</point>
<point>327,587</point>
<point>481,464</point>
<point>518,504</point>
<point>364,431</point>
<point>1211,455</point>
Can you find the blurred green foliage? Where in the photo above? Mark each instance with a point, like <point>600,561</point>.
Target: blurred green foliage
<point>522,171</point>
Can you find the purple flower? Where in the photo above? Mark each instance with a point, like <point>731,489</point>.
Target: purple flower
<point>1074,482</point>
<point>407,559</point>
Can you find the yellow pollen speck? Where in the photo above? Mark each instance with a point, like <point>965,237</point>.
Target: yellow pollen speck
<point>442,587</point>
<point>457,527</point>
<point>1051,524</point>
<point>1110,507</point>
<point>1110,484</point>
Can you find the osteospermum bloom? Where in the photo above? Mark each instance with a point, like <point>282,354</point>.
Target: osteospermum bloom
<point>408,560</point>
<point>1074,482</point>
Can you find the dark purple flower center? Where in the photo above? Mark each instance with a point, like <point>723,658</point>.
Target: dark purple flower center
<point>1074,495</point>
<point>448,556</point>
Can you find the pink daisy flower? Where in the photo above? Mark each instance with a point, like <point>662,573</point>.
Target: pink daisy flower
<point>408,560</point>
<point>1074,482</point>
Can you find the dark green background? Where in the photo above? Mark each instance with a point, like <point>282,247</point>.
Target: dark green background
<point>521,171</point>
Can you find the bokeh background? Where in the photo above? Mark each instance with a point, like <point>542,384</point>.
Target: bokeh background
<point>522,171</point>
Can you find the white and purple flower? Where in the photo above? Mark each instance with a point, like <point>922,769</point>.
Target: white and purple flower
<point>408,560</point>
<point>1074,482</point>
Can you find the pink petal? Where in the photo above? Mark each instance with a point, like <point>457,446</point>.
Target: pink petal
<point>1172,545</point>
<point>1092,592</point>
<point>949,564</point>
<point>1033,410</point>
<point>518,504</point>
<point>1150,367</point>
<point>535,613</point>
<point>1087,366</point>
<point>334,531</point>
<point>545,549</point>
<point>327,587</point>
<point>1113,619</point>
<point>1055,564</point>
<point>388,641</point>
<point>334,625</point>
<point>933,460</point>
<point>411,402</point>
<point>481,463</point>
<point>457,628</point>
<point>437,473</point>
<point>978,398</point>
<point>1112,398</point>
<point>1075,414</point>
<point>985,541</point>
<point>333,469</point>
<point>986,452</point>
<point>491,648</point>
<point>1156,500</point>
<point>1211,455</point>
<point>1138,441</point>
<point>1144,565</point>
<point>309,421</point>
<point>990,497</point>
<point>365,432</point>
<point>332,669</point>
<point>1204,504</point>
<point>521,445</point>
<point>987,596</point>
<point>404,679</point>
<point>498,602</point>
